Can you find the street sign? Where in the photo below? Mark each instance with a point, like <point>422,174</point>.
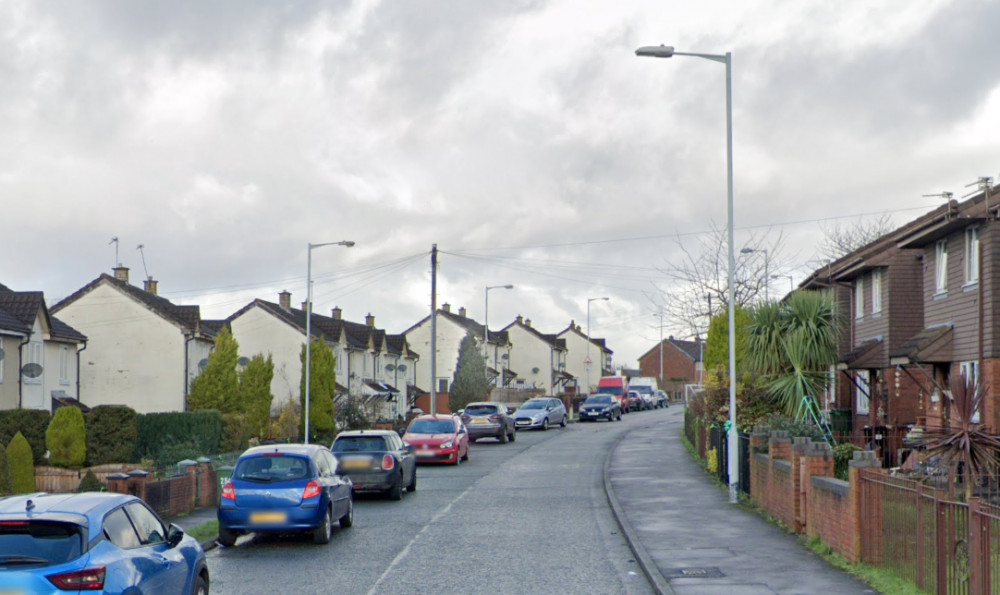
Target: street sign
<point>587,361</point>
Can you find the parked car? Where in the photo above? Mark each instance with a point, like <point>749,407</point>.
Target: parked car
<point>635,402</point>
<point>94,541</point>
<point>489,420</point>
<point>285,487</point>
<point>438,439</point>
<point>661,399</point>
<point>540,413</point>
<point>616,386</point>
<point>596,407</point>
<point>376,461</point>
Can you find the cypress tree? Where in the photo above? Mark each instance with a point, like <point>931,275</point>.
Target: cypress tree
<point>66,438</point>
<point>22,465</point>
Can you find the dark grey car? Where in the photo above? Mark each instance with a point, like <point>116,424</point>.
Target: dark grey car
<point>489,420</point>
<point>377,461</point>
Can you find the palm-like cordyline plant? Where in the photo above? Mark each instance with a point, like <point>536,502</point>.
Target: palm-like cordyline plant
<point>791,346</point>
<point>960,440</point>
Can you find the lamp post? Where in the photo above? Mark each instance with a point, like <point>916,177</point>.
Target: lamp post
<point>486,324</point>
<point>309,303</point>
<point>660,315</point>
<point>588,337</point>
<point>663,51</point>
<point>791,283</point>
<point>767,278</point>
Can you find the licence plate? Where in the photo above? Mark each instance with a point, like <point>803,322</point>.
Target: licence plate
<point>480,421</point>
<point>425,453</point>
<point>356,464</point>
<point>267,518</point>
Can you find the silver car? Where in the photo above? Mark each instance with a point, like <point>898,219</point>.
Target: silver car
<point>540,413</point>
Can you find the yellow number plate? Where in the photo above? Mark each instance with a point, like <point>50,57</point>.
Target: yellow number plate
<point>356,464</point>
<point>480,421</point>
<point>267,518</point>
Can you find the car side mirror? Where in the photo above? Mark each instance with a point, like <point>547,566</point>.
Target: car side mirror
<point>174,535</point>
<point>411,449</point>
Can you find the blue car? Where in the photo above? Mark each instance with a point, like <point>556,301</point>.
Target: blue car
<point>285,487</point>
<point>95,542</point>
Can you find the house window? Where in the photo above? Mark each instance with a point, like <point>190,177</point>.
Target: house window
<point>876,291</point>
<point>64,365</point>
<point>859,299</point>
<point>970,374</point>
<point>33,354</point>
<point>941,267</point>
<point>971,255</point>
<point>442,385</point>
<point>863,380</point>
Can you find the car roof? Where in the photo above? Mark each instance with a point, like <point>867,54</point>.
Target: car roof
<point>435,416</point>
<point>480,403</point>
<point>356,433</point>
<point>293,449</point>
<point>86,508</point>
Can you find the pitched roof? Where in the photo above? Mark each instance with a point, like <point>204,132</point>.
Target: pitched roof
<point>596,341</point>
<point>19,309</point>
<point>473,327</point>
<point>552,340</point>
<point>692,349</point>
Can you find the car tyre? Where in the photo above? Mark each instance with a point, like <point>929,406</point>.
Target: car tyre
<point>503,437</point>
<point>513,435</point>
<point>226,537</point>
<point>412,487</point>
<point>200,587</point>
<point>322,533</point>
<point>466,456</point>
<point>395,493</point>
<point>562,424</point>
<point>348,519</point>
<point>619,416</point>
<point>545,424</point>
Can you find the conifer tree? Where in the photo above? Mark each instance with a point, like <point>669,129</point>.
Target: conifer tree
<point>6,484</point>
<point>66,438</point>
<point>470,383</point>
<point>217,387</point>
<point>322,386</point>
<point>22,465</point>
<point>255,394</point>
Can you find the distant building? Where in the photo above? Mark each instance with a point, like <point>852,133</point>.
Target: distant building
<point>681,365</point>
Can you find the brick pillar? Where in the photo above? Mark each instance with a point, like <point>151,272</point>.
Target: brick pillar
<point>118,483</point>
<point>800,481</point>
<point>208,484</point>
<point>815,460</point>
<point>780,446</point>
<point>137,483</point>
<point>863,459</point>
<point>758,483</point>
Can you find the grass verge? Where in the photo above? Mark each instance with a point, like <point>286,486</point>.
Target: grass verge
<point>204,532</point>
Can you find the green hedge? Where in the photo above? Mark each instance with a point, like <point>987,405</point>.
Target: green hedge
<point>112,435</point>
<point>166,438</point>
<point>32,423</point>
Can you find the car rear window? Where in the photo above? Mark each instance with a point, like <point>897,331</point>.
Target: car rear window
<point>481,410</point>
<point>269,468</point>
<point>431,426</point>
<point>602,400</point>
<point>359,443</point>
<point>24,544</point>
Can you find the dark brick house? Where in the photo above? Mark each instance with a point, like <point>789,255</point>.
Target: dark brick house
<point>681,365</point>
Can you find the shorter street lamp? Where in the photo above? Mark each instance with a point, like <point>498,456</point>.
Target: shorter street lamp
<point>486,324</point>
<point>791,283</point>
<point>594,299</point>
<point>767,278</point>
<point>309,304</point>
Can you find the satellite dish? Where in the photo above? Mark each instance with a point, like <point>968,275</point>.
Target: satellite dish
<point>389,367</point>
<point>401,367</point>
<point>504,356</point>
<point>535,370</point>
<point>203,364</point>
<point>243,361</point>
<point>32,370</point>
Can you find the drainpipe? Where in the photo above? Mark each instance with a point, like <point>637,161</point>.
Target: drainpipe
<point>20,364</point>
<point>78,394</point>
<point>187,368</point>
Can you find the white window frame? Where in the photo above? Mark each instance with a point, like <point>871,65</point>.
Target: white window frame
<point>862,401</point>
<point>64,365</point>
<point>972,247</point>
<point>35,354</point>
<point>970,371</point>
<point>941,267</point>
<point>859,299</point>
<point>877,291</point>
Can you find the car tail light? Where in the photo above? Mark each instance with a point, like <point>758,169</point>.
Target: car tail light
<point>466,418</point>
<point>91,579</point>
<point>494,418</point>
<point>388,463</point>
<point>312,490</point>
<point>228,491</point>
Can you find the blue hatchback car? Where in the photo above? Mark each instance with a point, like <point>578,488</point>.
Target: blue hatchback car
<point>285,487</point>
<point>95,542</point>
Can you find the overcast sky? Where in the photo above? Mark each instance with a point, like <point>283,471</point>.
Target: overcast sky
<point>524,138</point>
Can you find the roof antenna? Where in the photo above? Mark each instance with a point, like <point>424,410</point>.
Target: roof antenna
<point>984,183</point>
<point>947,199</point>
<point>114,241</point>
<point>141,254</point>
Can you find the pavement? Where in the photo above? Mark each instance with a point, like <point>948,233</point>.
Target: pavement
<point>686,536</point>
<point>689,539</point>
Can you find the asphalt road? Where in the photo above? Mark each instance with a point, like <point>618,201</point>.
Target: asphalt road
<point>525,517</point>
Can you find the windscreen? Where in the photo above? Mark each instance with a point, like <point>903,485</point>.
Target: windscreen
<point>266,469</point>
<point>26,544</point>
<point>432,426</point>
<point>599,400</point>
<point>480,409</point>
<point>359,444</point>
<point>533,405</point>
<point>609,390</point>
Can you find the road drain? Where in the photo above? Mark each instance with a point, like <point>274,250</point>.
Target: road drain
<point>709,572</point>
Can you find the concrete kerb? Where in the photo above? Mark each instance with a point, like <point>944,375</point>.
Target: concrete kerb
<point>659,583</point>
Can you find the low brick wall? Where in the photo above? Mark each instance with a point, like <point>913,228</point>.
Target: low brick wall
<point>59,480</point>
<point>831,515</point>
<point>197,487</point>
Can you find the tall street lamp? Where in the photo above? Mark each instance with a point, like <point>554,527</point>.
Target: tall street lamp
<point>660,315</point>
<point>309,304</point>
<point>664,51</point>
<point>791,282</point>
<point>588,361</point>
<point>767,278</point>
<point>486,324</point>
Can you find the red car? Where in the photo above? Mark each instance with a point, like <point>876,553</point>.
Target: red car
<point>438,439</point>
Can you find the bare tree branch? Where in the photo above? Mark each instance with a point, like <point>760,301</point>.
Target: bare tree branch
<point>840,240</point>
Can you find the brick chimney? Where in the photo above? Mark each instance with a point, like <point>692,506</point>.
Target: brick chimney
<point>150,285</point>
<point>446,307</point>
<point>336,313</point>
<point>304,304</point>
<point>520,319</point>
<point>370,320</point>
<point>121,273</point>
<point>527,322</point>
<point>285,299</point>
<point>461,311</point>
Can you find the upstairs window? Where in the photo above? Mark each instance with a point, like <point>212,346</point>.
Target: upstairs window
<point>971,255</point>
<point>863,380</point>
<point>970,374</point>
<point>859,299</point>
<point>941,267</point>
<point>876,291</point>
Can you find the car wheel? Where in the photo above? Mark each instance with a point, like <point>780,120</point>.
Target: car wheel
<point>503,436</point>
<point>619,416</point>
<point>226,537</point>
<point>200,587</point>
<point>321,534</point>
<point>396,491</point>
<point>513,435</point>
<point>545,424</point>
<point>348,519</point>
<point>466,456</point>
<point>562,424</point>
<point>412,487</point>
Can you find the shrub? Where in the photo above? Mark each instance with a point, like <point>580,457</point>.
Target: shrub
<point>163,435</point>
<point>6,487</point>
<point>236,432</point>
<point>842,455</point>
<point>712,461</point>
<point>22,465</point>
<point>286,425</point>
<point>112,434</point>
<point>90,483</point>
<point>795,428</point>
<point>32,424</point>
<point>66,438</point>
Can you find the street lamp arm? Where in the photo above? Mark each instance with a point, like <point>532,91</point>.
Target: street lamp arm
<point>348,243</point>
<point>667,51</point>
